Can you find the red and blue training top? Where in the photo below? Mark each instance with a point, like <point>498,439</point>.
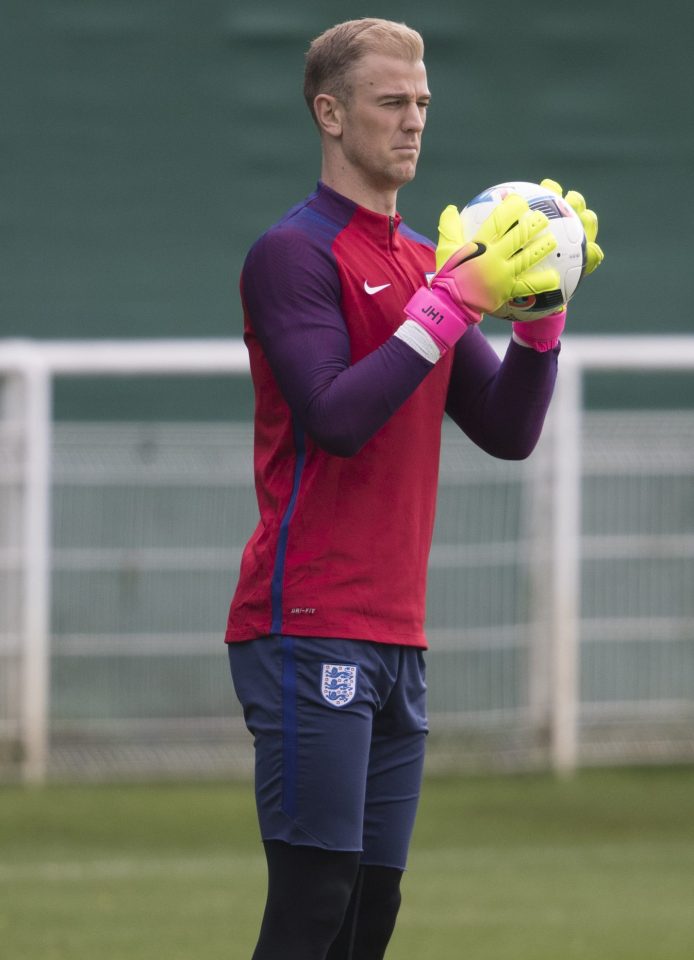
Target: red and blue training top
<point>348,425</point>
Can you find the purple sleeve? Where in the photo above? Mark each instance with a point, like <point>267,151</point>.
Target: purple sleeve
<point>501,405</point>
<point>291,292</point>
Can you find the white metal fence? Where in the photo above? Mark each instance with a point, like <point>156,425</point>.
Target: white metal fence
<point>561,589</point>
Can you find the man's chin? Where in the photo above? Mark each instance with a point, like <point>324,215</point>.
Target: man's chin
<point>403,173</point>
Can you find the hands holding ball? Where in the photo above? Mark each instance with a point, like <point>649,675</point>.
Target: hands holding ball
<point>517,251</point>
<point>565,220</point>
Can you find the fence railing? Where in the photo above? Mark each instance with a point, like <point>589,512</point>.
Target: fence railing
<point>562,623</point>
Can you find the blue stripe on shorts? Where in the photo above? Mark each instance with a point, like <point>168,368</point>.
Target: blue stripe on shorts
<point>289,728</point>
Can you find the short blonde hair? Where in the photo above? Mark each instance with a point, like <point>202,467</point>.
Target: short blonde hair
<point>332,55</point>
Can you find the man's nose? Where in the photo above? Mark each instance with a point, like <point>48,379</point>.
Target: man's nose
<point>414,118</point>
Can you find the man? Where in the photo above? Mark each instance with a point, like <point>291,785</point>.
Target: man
<point>355,358</point>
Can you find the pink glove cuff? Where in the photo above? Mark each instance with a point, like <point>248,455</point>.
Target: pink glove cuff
<point>436,312</point>
<point>543,334</point>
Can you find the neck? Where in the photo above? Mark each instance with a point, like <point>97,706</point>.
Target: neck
<point>344,181</point>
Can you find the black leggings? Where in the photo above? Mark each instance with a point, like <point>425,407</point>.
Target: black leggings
<point>323,905</point>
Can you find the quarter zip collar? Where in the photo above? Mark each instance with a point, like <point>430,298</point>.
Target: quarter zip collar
<point>381,229</point>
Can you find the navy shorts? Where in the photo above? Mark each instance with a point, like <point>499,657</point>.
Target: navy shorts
<point>339,728</point>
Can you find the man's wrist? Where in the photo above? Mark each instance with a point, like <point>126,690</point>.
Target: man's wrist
<point>417,338</point>
<point>542,334</point>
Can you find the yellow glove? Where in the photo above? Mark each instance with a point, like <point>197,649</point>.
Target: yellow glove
<point>451,235</point>
<point>594,255</point>
<point>489,269</point>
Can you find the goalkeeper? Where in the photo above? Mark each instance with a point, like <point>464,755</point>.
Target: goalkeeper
<point>355,358</point>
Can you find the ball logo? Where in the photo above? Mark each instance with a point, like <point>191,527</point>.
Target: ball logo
<point>338,683</point>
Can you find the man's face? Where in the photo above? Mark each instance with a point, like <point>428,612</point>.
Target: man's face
<point>384,119</point>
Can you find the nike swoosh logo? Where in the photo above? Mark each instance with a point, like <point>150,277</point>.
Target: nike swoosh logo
<point>373,290</point>
<point>481,248</point>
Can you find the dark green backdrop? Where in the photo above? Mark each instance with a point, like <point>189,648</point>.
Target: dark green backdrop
<point>145,143</point>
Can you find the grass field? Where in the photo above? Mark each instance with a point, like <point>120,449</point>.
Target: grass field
<point>597,868</point>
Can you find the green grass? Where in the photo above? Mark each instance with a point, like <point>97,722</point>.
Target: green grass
<point>597,868</point>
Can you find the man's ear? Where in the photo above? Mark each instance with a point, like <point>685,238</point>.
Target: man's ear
<point>329,114</point>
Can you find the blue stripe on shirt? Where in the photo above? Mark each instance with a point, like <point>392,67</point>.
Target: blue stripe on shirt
<point>277,586</point>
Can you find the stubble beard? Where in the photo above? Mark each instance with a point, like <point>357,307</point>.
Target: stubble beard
<point>395,174</point>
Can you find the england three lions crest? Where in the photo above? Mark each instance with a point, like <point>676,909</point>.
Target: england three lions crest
<point>338,683</point>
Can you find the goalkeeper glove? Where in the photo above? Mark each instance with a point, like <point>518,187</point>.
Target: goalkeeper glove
<point>478,275</point>
<point>543,334</point>
<point>589,219</point>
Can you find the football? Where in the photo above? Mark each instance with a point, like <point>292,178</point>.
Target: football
<point>568,258</point>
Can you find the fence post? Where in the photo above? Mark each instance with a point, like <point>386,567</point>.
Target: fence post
<point>537,533</point>
<point>565,570</point>
<point>12,391</point>
<point>35,610</point>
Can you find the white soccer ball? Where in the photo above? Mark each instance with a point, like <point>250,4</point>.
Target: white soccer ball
<point>568,258</point>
